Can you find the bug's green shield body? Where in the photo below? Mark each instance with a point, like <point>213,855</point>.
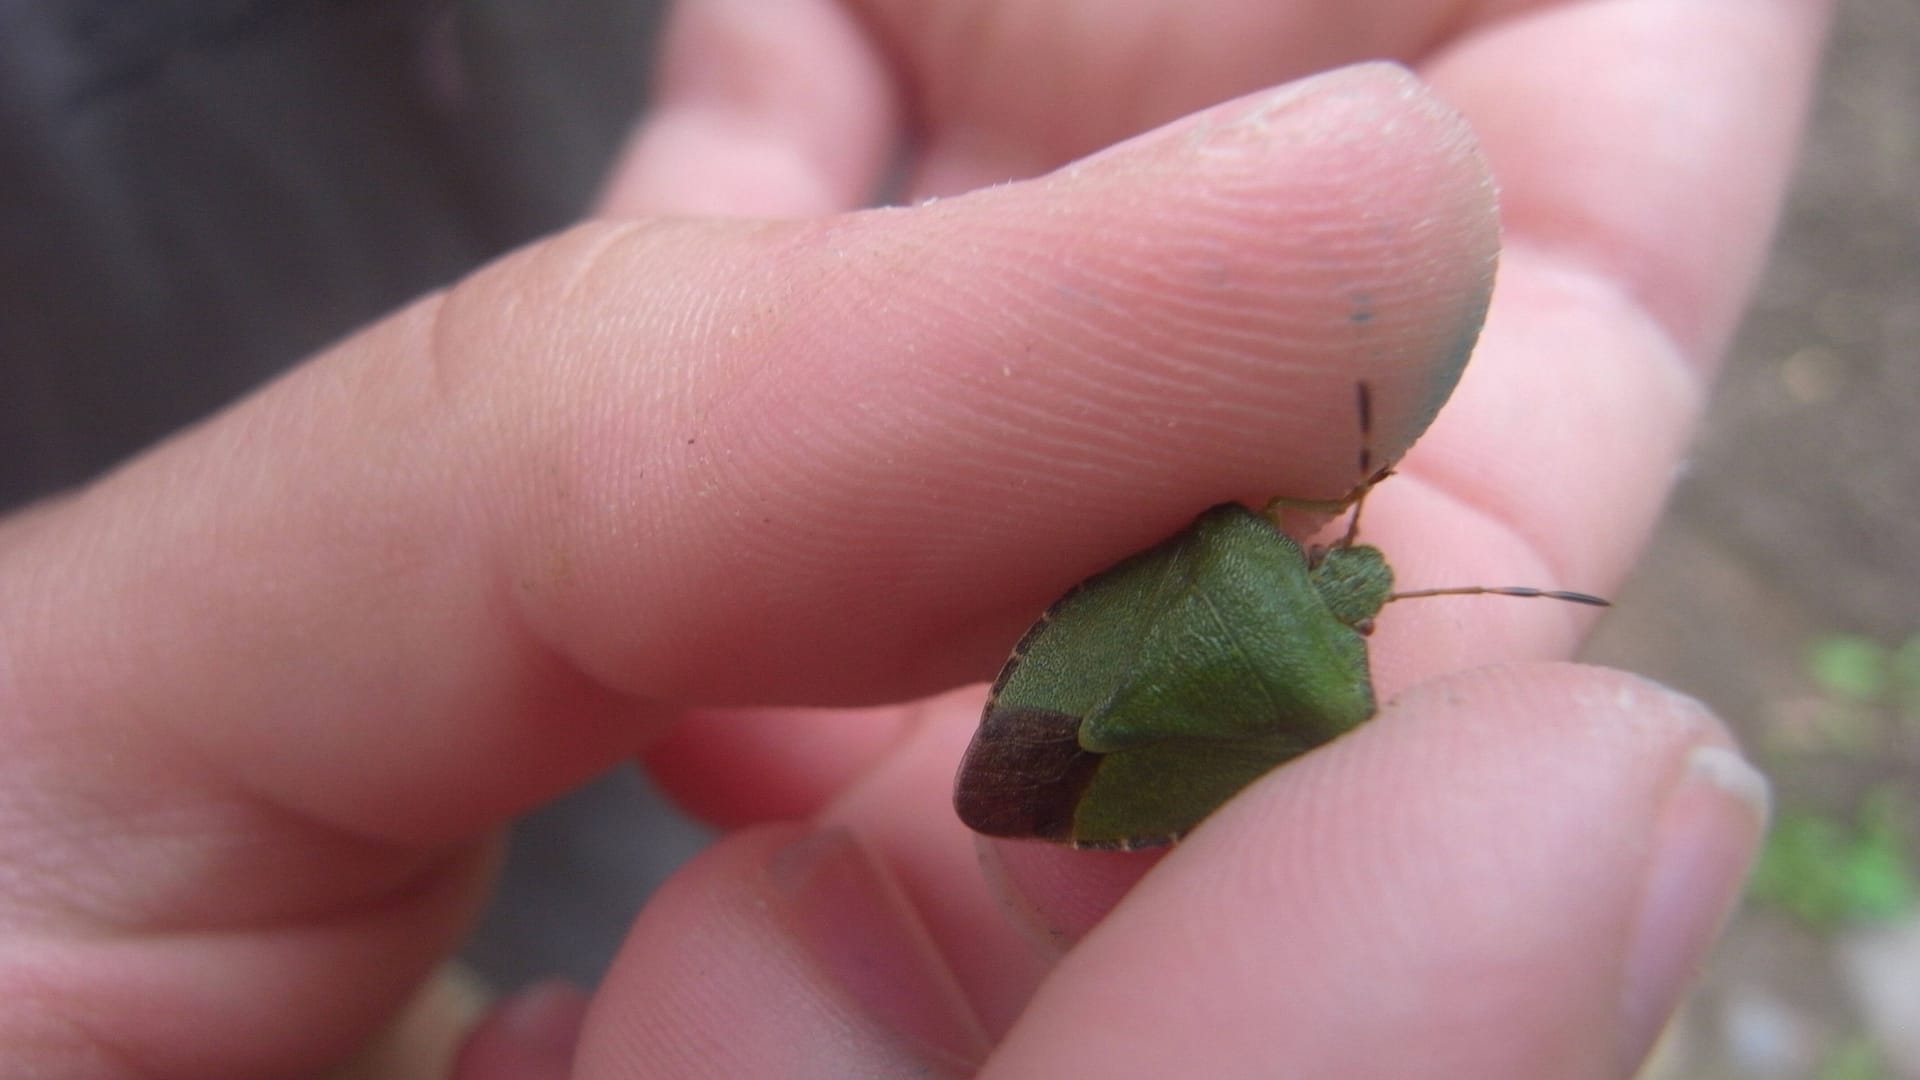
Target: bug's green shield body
<point>1152,692</point>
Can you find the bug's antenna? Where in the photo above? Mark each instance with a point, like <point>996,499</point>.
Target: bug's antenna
<point>1503,590</point>
<point>1363,401</point>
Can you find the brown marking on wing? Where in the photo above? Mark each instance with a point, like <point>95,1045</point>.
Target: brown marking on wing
<point>1023,775</point>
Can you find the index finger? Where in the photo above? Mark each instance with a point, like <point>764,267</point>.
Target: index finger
<point>448,571</point>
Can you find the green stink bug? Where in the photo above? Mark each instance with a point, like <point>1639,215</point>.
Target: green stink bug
<point>1154,691</point>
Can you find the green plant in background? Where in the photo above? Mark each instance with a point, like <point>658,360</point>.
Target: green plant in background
<point>1862,672</point>
<point>1867,703</point>
<point>1849,666</point>
<point>1856,1058</point>
<point>1824,869</point>
<point>1831,873</point>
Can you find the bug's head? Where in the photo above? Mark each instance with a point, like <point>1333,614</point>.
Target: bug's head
<point>1355,581</point>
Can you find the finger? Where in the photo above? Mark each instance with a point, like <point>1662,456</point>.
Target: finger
<point>116,966</point>
<point>972,71</point>
<point>382,591</point>
<point>770,108</point>
<point>737,767</point>
<point>779,953</point>
<point>798,107</point>
<point>1660,181</point>
<point>1508,873</point>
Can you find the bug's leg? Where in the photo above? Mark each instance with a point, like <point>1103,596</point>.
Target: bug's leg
<point>1279,507</point>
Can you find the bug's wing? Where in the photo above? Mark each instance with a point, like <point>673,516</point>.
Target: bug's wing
<point>1246,648</point>
<point>1157,793</point>
<point>1084,646</point>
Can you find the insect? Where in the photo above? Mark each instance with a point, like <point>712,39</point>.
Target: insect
<point>1154,691</point>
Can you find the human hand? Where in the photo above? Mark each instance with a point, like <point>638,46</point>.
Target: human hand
<point>268,689</point>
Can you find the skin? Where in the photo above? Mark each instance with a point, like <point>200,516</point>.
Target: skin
<point>270,690</point>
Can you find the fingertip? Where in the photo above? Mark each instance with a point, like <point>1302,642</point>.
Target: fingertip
<point>1376,131</point>
<point>1707,836</point>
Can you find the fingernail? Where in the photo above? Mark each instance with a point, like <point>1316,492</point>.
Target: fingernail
<point>546,1014</point>
<point>1704,843</point>
<point>864,931</point>
<point>530,1036</point>
<point>1262,110</point>
<point>1239,126</point>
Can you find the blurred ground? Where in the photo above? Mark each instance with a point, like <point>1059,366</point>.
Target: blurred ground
<point>1800,517</point>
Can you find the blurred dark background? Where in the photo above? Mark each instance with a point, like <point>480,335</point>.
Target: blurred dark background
<point>198,193</point>
<point>195,194</point>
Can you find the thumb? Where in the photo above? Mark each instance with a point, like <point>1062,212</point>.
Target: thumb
<point>1512,872</point>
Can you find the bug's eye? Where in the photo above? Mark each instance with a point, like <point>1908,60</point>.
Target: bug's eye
<point>1365,627</point>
